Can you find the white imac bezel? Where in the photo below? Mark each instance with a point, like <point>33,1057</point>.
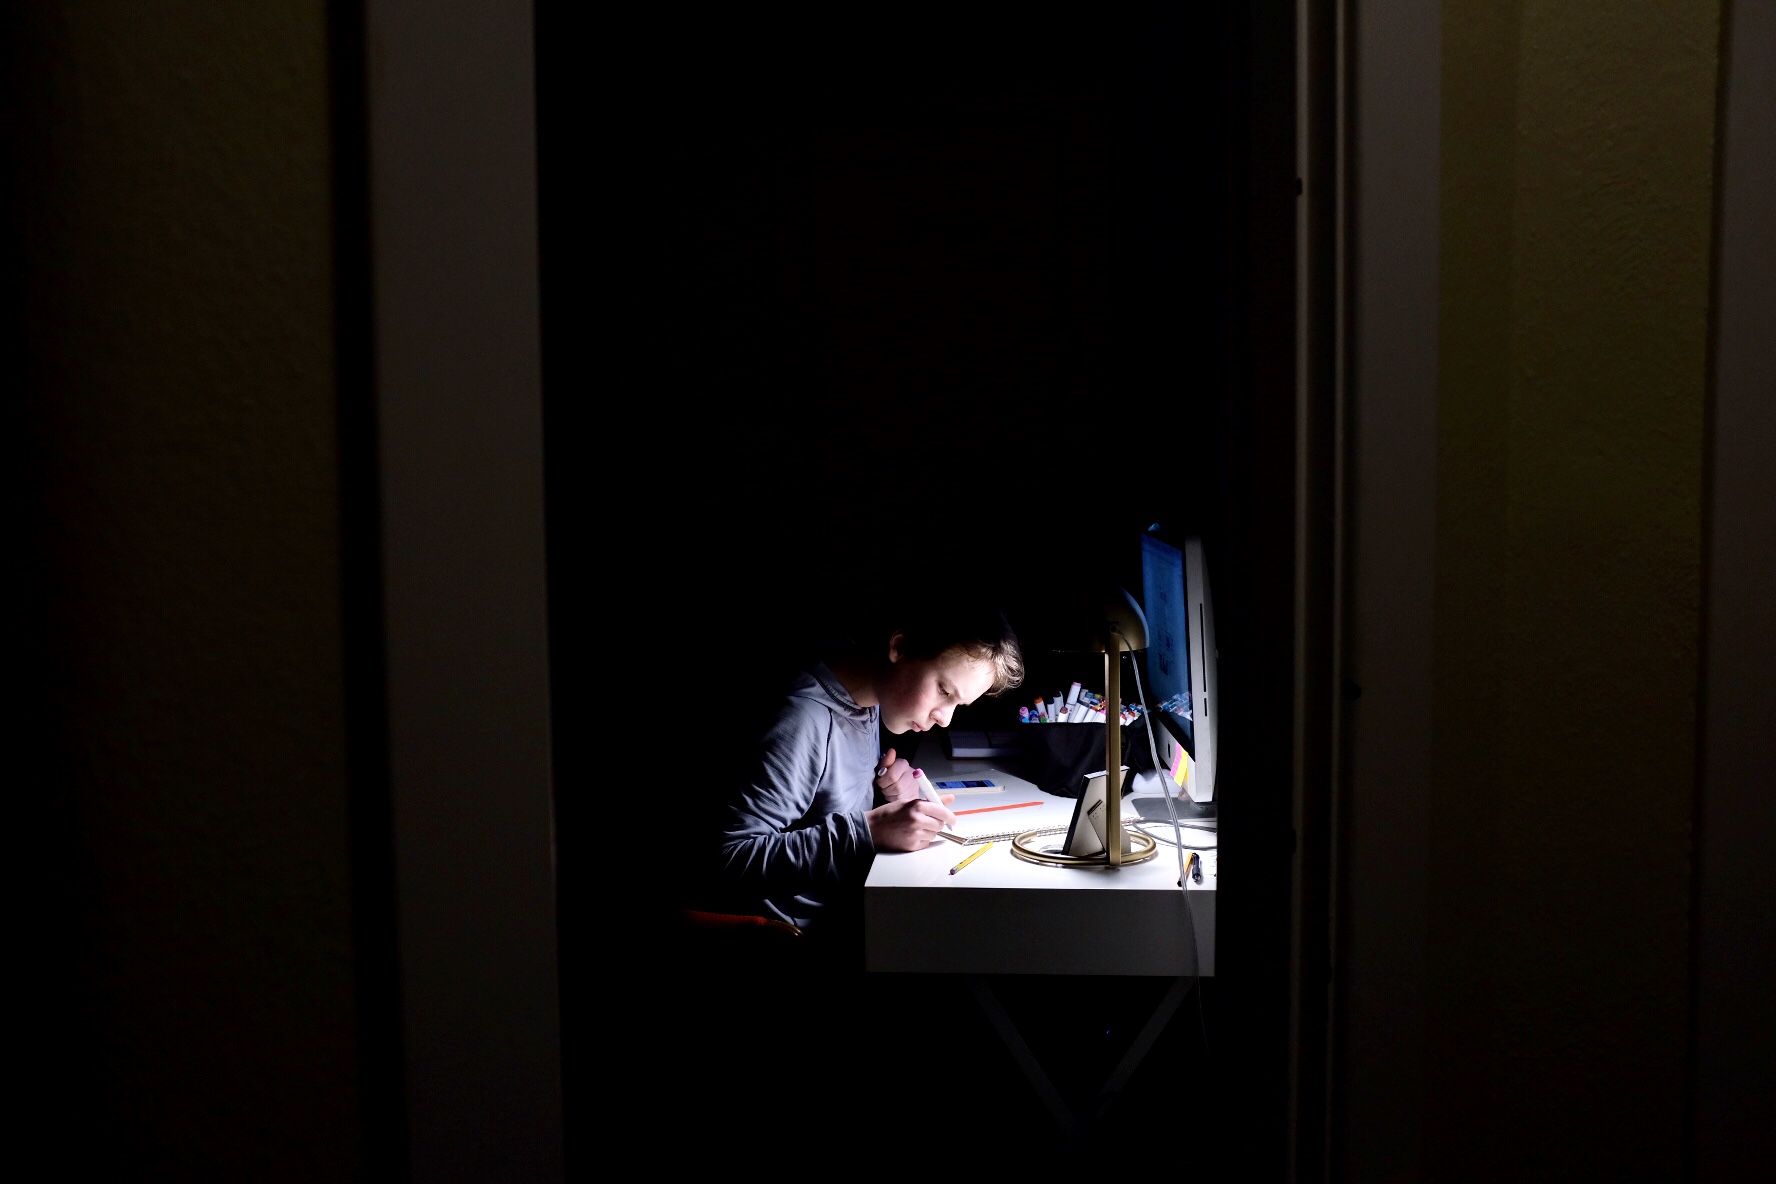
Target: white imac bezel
<point>1204,683</point>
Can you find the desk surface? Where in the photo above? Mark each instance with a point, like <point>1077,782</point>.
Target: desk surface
<point>1002,915</point>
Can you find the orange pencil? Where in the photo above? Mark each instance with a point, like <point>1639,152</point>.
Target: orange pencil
<point>990,809</point>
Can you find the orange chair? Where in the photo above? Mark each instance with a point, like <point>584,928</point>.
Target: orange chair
<point>736,923</point>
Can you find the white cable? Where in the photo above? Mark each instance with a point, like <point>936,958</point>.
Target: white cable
<point>1142,827</point>
<point>1177,832</point>
<point>1171,808</point>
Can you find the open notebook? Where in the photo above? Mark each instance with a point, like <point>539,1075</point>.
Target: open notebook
<point>1007,821</point>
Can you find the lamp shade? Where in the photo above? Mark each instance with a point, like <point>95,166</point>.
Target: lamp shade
<point>1083,621</point>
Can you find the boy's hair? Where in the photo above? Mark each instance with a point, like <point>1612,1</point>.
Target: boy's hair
<point>933,625</point>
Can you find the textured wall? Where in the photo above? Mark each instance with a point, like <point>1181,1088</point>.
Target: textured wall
<point>171,214</point>
<point>1576,208</point>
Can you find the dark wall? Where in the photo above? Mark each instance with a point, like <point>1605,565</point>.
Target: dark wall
<point>898,293</point>
<point>1578,204</point>
<point>182,842</point>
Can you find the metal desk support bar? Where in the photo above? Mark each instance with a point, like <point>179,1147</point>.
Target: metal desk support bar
<point>1069,1123</point>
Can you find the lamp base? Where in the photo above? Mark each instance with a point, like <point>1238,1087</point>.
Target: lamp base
<point>1142,847</point>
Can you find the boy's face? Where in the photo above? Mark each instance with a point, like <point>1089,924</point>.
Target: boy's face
<point>921,694</point>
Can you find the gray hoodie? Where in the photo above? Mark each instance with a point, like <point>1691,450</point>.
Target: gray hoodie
<point>795,832</point>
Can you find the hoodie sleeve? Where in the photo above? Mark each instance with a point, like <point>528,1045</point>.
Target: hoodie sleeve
<point>769,844</point>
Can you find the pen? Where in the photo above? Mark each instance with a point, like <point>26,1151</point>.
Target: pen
<point>978,852</point>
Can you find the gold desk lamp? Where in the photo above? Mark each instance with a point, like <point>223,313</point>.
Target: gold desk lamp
<point>1112,626</point>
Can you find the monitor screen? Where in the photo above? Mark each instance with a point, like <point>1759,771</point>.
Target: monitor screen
<point>1181,657</point>
<point>1168,631</point>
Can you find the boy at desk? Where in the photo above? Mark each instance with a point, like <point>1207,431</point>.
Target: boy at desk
<point>820,798</point>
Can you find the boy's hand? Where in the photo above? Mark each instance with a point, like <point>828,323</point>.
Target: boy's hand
<point>909,824</point>
<point>894,777</point>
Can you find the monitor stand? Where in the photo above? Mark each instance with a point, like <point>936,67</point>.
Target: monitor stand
<point>1152,808</point>
<point>1194,810</point>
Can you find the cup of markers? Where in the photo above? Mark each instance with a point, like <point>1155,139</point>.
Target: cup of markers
<point>1077,706</point>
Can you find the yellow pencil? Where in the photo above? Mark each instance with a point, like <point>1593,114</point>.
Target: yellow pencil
<point>980,851</point>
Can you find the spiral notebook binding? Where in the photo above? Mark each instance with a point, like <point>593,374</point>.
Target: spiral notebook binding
<point>1001,836</point>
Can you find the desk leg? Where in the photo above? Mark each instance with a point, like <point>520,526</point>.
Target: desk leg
<point>1131,1060</point>
<point>1069,1123</point>
<point>1051,1097</point>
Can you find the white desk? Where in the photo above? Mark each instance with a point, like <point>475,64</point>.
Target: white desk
<point>1001,915</point>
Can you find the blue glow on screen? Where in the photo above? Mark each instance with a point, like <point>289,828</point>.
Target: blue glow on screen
<point>1168,628</point>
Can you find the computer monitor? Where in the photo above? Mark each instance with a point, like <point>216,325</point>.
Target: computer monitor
<point>1181,658</point>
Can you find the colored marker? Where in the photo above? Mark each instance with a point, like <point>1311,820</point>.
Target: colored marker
<point>927,790</point>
